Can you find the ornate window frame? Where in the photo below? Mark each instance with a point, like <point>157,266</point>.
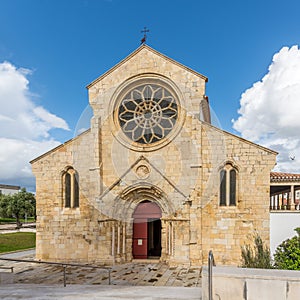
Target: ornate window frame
<point>136,82</point>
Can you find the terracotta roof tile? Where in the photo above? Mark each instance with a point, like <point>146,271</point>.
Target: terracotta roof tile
<point>278,176</point>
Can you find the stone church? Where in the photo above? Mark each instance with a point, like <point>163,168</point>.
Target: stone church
<point>152,178</point>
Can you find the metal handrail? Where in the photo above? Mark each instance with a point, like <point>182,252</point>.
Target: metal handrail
<point>64,265</point>
<point>211,263</point>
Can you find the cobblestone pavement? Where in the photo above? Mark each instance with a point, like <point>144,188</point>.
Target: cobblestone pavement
<point>130,274</point>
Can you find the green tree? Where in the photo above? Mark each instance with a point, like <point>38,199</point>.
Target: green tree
<point>4,200</point>
<point>17,205</point>
<point>257,256</point>
<point>287,254</point>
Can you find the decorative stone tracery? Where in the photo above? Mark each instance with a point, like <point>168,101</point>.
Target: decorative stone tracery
<point>148,113</point>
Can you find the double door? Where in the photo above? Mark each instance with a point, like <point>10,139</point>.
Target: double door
<point>146,241</point>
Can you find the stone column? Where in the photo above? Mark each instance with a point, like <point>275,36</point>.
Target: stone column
<point>113,233</point>
<point>292,200</point>
<point>124,240</point>
<point>172,242</point>
<point>119,239</point>
<point>272,202</point>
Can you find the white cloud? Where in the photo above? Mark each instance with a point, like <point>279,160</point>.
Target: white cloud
<point>270,109</point>
<point>24,126</point>
<point>50,120</point>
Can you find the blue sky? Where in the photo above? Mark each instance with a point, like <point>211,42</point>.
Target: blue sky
<point>59,46</point>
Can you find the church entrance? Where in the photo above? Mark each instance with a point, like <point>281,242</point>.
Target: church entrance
<point>146,241</point>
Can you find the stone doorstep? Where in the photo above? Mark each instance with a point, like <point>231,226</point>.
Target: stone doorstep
<point>146,261</point>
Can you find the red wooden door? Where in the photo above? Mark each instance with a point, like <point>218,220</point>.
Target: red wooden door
<point>140,238</point>
<point>143,212</point>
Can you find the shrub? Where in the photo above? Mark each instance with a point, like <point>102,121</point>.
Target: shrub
<point>287,254</point>
<point>257,256</point>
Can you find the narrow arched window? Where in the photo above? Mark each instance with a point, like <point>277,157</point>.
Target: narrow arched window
<point>76,191</point>
<point>67,190</point>
<point>228,185</point>
<point>232,186</point>
<point>223,187</point>
<point>70,188</point>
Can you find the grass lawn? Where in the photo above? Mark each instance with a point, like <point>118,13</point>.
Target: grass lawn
<point>16,241</point>
<point>11,220</point>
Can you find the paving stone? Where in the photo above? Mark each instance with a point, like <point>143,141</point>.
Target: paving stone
<point>129,274</point>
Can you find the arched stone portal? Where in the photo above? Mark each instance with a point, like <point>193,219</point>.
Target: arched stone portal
<point>146,238</point>
<point>139,203</point>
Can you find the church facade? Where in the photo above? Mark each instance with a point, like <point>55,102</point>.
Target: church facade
<point>151,178</point>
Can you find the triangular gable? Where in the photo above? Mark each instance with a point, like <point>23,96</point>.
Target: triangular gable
<point>155,169</point>
<point>139,49</point>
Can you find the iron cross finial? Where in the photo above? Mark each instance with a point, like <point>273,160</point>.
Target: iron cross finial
<point>143,40</point>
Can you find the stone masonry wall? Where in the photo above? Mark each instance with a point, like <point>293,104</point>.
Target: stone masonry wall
<point>226,228</point>
<point>181,176</point>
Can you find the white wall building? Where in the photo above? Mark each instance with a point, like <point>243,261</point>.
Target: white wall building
<point>6,189</point>
<point>284,207</point>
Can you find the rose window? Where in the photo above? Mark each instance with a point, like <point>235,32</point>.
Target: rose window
<point>148,113</point>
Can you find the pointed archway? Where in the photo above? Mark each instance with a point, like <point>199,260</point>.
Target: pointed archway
<point>146,239</point>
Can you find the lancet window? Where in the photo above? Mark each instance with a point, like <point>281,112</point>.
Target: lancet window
<point>70,188</point>
<point>228,185</point>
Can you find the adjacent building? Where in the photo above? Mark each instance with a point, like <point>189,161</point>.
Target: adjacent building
<point>6,189</point>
